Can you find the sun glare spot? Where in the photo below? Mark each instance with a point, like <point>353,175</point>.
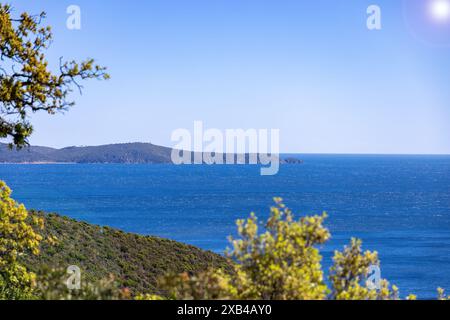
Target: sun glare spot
<point>440,10</point>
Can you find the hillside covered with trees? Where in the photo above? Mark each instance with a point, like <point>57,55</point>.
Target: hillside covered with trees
<point>135,261</point>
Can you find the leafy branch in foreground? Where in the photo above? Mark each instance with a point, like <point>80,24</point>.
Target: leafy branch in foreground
<point>281,261</point>
<point>27,84</point>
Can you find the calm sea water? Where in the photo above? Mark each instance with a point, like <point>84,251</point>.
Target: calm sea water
<point>398,205</point>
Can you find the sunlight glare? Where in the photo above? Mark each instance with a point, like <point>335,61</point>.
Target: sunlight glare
<point>440,9</point>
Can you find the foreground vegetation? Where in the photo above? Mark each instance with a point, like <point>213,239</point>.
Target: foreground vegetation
<point>33,256</point>
<point>135,261</point>
<point>277,260</point>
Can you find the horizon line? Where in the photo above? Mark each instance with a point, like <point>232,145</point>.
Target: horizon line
<point>280,153</point>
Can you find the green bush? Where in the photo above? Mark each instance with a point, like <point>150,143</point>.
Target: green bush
<point>280,260</point>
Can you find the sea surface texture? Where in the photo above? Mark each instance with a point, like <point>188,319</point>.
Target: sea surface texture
<point>398,205</point>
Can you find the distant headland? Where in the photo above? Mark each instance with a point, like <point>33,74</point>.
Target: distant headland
<point>126,153</point>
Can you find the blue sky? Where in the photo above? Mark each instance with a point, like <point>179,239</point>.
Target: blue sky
<point>309,68</point>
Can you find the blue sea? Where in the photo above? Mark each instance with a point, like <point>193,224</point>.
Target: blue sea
<point>398,205</point>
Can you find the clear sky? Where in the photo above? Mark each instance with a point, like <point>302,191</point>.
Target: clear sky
<point>309,68</point>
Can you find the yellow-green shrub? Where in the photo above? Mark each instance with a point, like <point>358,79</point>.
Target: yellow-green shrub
<point>17,237</point>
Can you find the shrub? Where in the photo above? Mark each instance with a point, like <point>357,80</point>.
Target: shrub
<point>280,260</point>
<point>17,237</point>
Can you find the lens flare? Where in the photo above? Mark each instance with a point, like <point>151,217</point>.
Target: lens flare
<point>440,10</point>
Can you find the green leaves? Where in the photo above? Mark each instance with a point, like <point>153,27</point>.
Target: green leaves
<point>17,237</point>
<point>349,270</point>
<point>281,261</point>
<point>27,85</point>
